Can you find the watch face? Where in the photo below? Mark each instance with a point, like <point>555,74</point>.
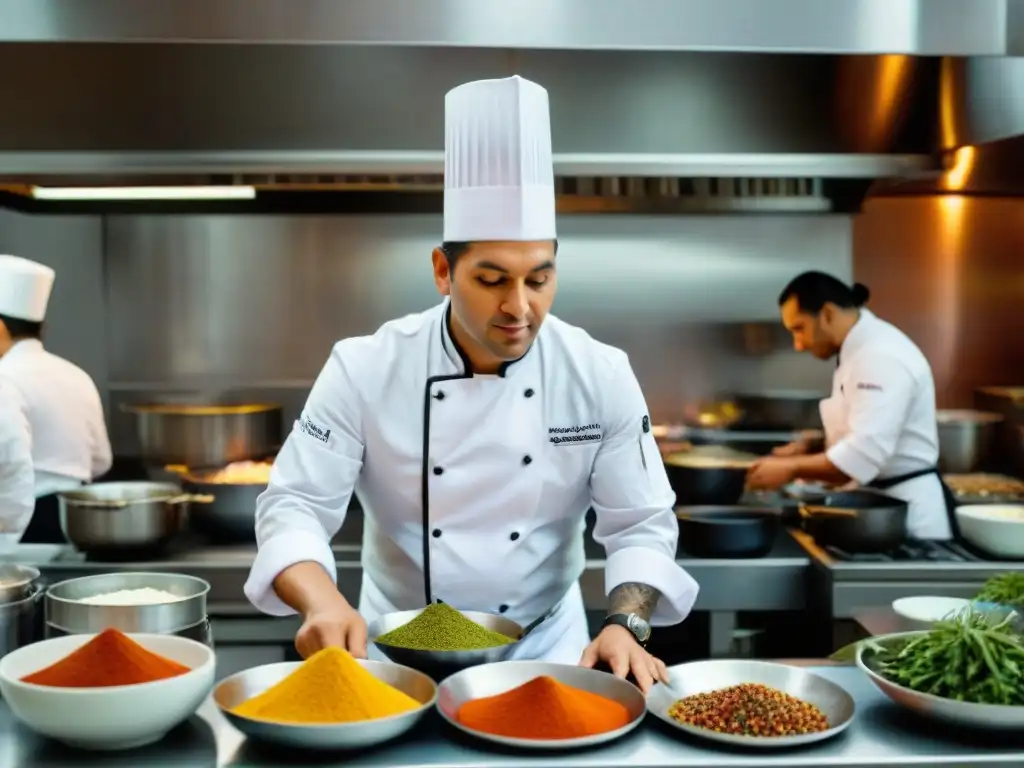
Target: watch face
<point>640,628</point>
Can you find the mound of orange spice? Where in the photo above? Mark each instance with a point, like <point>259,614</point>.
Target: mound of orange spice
<point>111,658</point>
<point>543,708</point>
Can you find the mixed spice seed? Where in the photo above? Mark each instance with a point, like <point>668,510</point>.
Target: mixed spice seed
<point>750,709</point>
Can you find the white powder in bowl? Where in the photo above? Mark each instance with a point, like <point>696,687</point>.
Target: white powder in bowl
<point>142,596</point>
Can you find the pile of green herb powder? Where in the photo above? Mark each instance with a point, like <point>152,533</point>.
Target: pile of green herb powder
<point>442,628</point>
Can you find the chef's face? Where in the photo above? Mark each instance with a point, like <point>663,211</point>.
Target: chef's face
<point>501,292</point>
<point>811,332</point>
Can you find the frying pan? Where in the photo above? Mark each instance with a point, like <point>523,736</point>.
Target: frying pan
<point>857,521</point>
<point>727,531</point>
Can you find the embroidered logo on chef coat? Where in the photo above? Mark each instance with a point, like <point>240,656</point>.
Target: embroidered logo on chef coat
<point>582,433</point>
<point>871,387</point>
<point>307,427</point>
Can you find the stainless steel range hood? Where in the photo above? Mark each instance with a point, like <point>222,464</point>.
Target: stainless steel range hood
<point>725,98</point>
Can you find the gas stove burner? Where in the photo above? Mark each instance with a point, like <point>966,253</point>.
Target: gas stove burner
<point>911,550</point>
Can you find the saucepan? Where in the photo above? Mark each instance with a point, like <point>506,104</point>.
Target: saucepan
<point>862,520</point>
<point>107,517</point>
<point>727,531</point>
<point>708,475</point>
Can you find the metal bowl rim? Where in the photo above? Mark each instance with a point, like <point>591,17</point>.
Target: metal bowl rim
<point>162,491</point>
<point>72,601</point>
<point>966,417</point>
<point>774,741</point>
<point>881,639</point>
<point>294,665</point>
<point>442,654</point>
<point>25,571</point>
<point>559,744</point>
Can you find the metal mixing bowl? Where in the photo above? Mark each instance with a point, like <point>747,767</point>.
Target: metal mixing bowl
<point>495,679</point>
<point>961,713</point>
<point>357,735</point>
<point>439,664</point>
<point>706,676</point>
<point>64,611</point>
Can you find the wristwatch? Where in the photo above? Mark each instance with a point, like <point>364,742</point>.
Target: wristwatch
<point>640,629</point>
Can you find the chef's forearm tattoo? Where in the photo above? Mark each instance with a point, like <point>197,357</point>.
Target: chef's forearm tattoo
<point>632,597</point>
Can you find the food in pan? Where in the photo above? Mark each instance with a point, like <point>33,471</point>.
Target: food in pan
<point>241,473</point>
<point>711,457</point>
<point>981,485</point>
<point>750,709</point>
<point>970,658</point>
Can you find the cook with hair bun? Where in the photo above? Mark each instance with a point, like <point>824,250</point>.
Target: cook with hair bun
<point>880,422</point>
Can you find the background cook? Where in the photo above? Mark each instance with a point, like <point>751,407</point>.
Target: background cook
<point>58,399</point>
<point>478,433</point>
<point>880,425</point>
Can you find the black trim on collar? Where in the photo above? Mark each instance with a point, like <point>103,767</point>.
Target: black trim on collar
<point>466,366</point>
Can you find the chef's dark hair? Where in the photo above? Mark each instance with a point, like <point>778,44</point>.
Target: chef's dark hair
<point>813,290</point>
<point>22,329</point>
<point>453,249</point>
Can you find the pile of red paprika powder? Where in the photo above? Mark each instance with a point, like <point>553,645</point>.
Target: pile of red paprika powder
<point>111,658</point>
<point>543,708</point>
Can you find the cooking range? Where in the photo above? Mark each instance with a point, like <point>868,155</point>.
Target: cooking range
<point>915,551</point>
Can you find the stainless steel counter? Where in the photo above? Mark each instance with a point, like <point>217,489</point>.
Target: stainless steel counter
<point>882,735</point>
<point>842,588</point>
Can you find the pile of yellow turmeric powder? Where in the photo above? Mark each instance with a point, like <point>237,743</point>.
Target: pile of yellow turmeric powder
<point>329,687</point>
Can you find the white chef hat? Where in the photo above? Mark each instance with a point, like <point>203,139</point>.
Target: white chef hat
<point>498,170</point>
<point>24,288</point>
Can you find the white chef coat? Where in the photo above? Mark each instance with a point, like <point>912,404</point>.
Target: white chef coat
<point>70,445</point>
<point>485,479</point>
<point>17,497</point>
<point>880,420</point>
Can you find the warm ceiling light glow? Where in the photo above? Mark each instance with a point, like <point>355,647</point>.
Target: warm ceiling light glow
<point>144,193</point>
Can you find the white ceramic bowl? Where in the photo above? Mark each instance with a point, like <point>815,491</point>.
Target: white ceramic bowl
<point>922,612</point>
<point>998,529</point>
<point>117,717</point>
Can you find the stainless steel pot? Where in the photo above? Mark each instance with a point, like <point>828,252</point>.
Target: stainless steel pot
<point>21,621</point>
<point>206,435</point>
<point>17,582</point>
<point>130,515</point>
<point>66,612</point>
<point>857,521</point>
<point>966,439</point>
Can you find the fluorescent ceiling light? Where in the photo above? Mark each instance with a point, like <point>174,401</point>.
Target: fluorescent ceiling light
<point>144,193</point>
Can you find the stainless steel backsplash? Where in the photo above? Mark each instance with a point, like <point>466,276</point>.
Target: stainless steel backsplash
<point>200,307</point>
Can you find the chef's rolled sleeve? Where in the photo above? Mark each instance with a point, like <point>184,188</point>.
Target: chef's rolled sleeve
<point>878,397</point>
<point>634,501</point>
<point>311,482</point>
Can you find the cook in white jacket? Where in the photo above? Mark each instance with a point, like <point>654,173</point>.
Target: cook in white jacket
<point>880,425</point>
<point>477,434</point>
<point>58,399</point>
<point>17,498</point>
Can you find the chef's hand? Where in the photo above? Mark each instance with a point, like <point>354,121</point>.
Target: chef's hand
<point>337,626</point>
<point>795,448</point>
<point>771,473</point>
<point>617,648</point>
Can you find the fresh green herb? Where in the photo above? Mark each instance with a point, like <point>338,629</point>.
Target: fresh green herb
<point>1004,589</point>
<point>966,658</point>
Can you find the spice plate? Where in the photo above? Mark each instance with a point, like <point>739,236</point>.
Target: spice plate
<point>244,685</point>
<point>494,679</point>
<point>991,717</point>
<point>107,718</point>
<point>440,664</point>
<point>706,676</point>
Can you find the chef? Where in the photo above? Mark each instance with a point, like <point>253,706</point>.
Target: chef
<point>880,424</point>
<point>58,399</point>
<point>477,434</point>
<point>17,496</point>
